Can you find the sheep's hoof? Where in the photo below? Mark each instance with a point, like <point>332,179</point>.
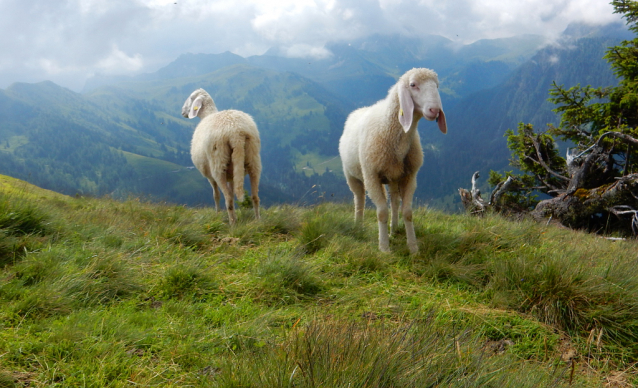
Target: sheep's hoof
<point>385,249</point>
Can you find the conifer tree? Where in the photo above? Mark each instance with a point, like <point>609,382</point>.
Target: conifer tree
<point>596,186</point>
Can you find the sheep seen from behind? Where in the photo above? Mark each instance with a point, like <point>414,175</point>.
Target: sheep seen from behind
<point>381,145</point>
<point>225,147</point>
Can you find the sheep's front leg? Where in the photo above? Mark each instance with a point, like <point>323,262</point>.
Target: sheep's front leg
<point>357,188</point>
<point>394,203</point>
<point>407,188</point>
<point>376,192</point>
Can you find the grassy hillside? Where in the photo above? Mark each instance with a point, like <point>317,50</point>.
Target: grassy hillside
<point>98,292</point>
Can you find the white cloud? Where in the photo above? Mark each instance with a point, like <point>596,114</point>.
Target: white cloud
<point>71,39</point>
<point>307,51</point>
<point>119,61</point>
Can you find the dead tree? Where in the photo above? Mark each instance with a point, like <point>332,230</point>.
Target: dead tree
<point>475,204</point>
<point>592,192</point>
<point>588,197</point>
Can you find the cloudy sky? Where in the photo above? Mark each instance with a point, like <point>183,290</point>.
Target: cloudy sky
<point>67,41</point>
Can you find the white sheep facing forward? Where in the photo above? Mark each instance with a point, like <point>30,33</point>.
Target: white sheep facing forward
<point>381,145</point>
<point>225,147</point>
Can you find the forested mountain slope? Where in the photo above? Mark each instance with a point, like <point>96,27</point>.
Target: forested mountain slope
<point>125,135</point>
<point>478,122</point>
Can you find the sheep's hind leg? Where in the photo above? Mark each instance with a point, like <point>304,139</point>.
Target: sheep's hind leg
<point>377,194</point>
<point>407,189</point>
<point>394,203</point>
<point>227,188</point>
<point>216,195</point>
<point>359,191</point>
<point>254,192</point>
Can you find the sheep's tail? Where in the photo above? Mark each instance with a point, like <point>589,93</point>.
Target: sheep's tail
<point>238,158</point>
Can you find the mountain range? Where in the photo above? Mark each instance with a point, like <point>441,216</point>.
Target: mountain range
<point>125,136</point>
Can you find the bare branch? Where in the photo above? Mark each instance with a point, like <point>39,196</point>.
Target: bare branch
<point>581,173</point>
<point>623,210</point>
<point>626,138</point>
<point>542,162</point>
<point>475,191</point>
<point>499,190</point>
<point>472,200</point>
<point>547,184</point>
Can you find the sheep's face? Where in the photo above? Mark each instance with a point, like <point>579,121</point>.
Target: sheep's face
<point>419,94</point>
<point>193,104</point>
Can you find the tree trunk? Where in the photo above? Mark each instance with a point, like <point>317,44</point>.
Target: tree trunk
<point>577,209</point>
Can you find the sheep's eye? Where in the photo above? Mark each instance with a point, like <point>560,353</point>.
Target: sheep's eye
<point>412,84</point>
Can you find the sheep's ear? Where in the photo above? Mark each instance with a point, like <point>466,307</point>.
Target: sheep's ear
<point>195,107</point>
<point>406,108</point>
<point>441,122</point>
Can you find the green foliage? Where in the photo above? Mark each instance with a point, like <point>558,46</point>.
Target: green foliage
<point>536,156</point>
<point>587,113</point>
<point>527,145</point>
<point>247,202</point>
<point>524,198</point>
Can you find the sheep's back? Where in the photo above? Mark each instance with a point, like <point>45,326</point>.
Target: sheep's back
<point>212,139</point>
<point>349,143</point>
<point>363,131</point>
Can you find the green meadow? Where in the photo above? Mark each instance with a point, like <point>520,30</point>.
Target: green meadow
<point>96,292</point>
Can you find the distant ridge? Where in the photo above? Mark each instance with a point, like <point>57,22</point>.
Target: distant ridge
<point>125,135</point>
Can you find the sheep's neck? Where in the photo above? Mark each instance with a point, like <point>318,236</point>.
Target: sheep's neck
<point>208,108</point>
<point>396,137</point>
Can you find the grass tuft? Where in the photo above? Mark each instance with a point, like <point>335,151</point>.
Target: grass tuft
<point>11,248</point>
<point>342,354</point>
<point>8,381</point>
<point>284,270</point>
<point>571,295</point>
<point>324,223</point>
<point>36,269</point>
<point>445,268</point>
<point>104,280</point>
<point>283,220</point>
<point>186,281</point>
<point>21,218</point>
<point>41,302</point>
